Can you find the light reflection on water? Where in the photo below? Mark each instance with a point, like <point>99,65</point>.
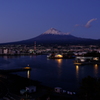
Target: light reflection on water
<point>77,71</point>
<point>87,70</point>
<point>96,69</point>
<point>52,72</point>
<point>28,74</point>
<point>59,62</point>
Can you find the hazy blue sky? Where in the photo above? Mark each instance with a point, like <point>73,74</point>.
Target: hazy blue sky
<point>25,19</point>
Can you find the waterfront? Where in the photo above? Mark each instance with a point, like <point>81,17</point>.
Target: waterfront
<point>51,72</point>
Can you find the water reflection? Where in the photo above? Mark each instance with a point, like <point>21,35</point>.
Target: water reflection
<point>96,69</point>
<point>88,69</point>
<point>28,74</point>
<point>77,71</point>
<point>5,57</point>
<point>59,62</point>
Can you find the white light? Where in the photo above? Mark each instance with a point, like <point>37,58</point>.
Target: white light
<point>28,74</point>
<point>82,60</point>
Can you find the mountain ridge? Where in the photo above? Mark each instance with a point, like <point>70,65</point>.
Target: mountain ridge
<point>54,36</point>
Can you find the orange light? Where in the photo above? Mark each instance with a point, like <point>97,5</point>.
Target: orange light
<point>77,67</point>
<point>59,56</point>
<point>59,61</point>
<point>27,67</point>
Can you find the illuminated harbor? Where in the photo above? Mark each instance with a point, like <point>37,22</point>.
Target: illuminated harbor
<point>50,72</point>
<point>47,71</point>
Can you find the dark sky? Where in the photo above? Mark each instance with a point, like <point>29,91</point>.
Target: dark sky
<point>25,19</point>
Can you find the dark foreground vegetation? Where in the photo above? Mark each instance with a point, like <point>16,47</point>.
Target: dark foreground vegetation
<point>10,85</point>
<point>90,89</point>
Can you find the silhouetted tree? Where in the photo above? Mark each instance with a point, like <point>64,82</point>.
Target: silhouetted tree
<point>90,88</point>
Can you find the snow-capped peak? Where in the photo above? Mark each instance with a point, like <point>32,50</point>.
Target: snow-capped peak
<point>55,32</point>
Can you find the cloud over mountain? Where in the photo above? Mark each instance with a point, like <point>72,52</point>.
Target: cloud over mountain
<point>88,24</point>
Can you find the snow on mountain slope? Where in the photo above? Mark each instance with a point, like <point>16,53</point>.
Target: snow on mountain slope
<point>55,32</point>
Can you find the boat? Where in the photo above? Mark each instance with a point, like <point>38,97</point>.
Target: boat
<point>60,56</point>
<point>86,60</point>
<point>55,56</point>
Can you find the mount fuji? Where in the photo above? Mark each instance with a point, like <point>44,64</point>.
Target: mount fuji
<point>54,36</point>
<point>54,31</point>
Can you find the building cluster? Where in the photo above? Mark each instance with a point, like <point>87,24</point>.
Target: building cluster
<point>39,49</point>
<point>16,50</point>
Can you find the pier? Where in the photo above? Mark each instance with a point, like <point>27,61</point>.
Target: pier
<point>28,69</point>
<point>15,70</point>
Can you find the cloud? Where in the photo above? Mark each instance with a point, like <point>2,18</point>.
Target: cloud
<point>88,24</point>
<point>76,25</point>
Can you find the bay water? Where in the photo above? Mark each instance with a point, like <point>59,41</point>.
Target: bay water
<point>51,72</point>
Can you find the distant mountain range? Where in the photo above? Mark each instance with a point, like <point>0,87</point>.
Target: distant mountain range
<point>53,36</point>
